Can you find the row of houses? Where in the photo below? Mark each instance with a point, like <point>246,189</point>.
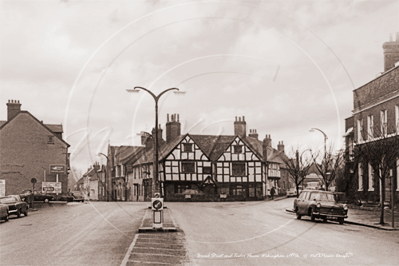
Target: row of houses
<point>196,167</point>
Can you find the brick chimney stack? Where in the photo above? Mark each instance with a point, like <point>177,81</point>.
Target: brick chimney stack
<point>159,134</point>
<point>173,128</point>
<point>267,143</point>
<point>253,133</point>
<point>13,108</point>
<point>391,52</point>
<point>280,146</point>
<point>240,127</point>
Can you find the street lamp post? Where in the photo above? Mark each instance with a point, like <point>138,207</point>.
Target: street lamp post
<point>325,139</point>
<point>155,183</point>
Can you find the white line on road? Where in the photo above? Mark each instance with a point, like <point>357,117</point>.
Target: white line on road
<point>125,260</point>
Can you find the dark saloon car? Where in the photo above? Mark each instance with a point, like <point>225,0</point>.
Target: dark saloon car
<point>320,204</point>
<point>15,205</point>
<point>38,196</point>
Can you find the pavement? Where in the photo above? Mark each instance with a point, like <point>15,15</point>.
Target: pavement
<point>369,217</point>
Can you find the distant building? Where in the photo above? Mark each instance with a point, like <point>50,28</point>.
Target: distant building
<point>199,167</point>
<point>376,111</point>
<point>31,149</point>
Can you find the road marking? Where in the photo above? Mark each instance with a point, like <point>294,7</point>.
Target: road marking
<point>126,259</point>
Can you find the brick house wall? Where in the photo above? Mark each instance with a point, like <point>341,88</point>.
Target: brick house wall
<point>27,150</point>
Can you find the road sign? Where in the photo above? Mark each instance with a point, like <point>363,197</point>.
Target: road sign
<point>157,204</point>
<point>33,180</point>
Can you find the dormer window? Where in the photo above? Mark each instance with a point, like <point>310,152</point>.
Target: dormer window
<point>187,147</point>
<point>237,148</point>
<point>50,139</point>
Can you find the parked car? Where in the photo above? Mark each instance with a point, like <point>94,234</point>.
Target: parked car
<point>292,192</point>
<point>15,205</point>
<point>320,204</point>
<point>38,196</point>
<point>4,212</point>
<point>78,196</point>
<point>64,198</point>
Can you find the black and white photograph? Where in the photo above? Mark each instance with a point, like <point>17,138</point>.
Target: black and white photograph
<point>199,132</point>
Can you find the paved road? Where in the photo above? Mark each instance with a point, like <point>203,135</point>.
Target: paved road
<point>102,233</point>
<point>73,234</point>
<point>259,233</point>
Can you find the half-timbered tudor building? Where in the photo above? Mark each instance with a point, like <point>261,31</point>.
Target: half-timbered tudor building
<point>211,167</point>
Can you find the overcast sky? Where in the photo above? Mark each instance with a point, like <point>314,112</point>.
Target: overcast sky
<point>287,66</point>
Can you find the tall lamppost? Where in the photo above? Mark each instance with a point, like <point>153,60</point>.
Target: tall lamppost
<point>106,173</point>
<point>325,139</point>
<point>155,183</point>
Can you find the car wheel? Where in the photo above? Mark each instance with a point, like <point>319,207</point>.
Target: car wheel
<point>26,213</point>
<point>18,213</point>
<point>312,217</point>
<point>6,218</point>
<point>45,200</point>
<point>341,220</point>
<point>298,216</point>
<point>324,219</point>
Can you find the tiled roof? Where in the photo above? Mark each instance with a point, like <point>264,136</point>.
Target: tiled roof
<point>123,153</point>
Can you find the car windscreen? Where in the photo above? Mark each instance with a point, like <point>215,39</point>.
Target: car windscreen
<point>7,200</point>
<point>322,197</point>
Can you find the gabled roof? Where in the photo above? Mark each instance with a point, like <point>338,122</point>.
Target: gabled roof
<point>213,146</point>
<point>124,153</point>
<point>43,125</point>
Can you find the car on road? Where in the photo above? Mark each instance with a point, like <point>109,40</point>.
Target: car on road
<point>66,198</point>
<point>39,196</point>
<point>320,204</point>
<point>292,192</point>
<point>4,212</point>
<point>78,196</point>
<point>15,205</point>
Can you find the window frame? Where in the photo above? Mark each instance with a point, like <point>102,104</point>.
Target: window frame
<point>186,149</point>
<point>234,166</point>
<point>184,169</point>
<point>237,149</point>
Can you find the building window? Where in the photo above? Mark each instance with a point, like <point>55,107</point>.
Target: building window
<point>360,176</point>
<point>397,118</point>
<point>188,167</point>
<point>383,121</point>
<point>237,148</point>
<point>359,130</point>
<point>371,176</point>
<point>50,139</point>
<point>397,174</point>
<point>238,190</point>
<point>207,170</point>
<point>370,126</point>
<point>238,169</point>
<point>187,147</point>
<point>181,188</point>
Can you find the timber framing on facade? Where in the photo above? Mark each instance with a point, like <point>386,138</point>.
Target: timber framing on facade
<point>198,167</point>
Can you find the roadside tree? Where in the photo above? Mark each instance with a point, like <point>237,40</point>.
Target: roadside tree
<point>381,151</point>
<point>329,165</point>
<point>297,168</point>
